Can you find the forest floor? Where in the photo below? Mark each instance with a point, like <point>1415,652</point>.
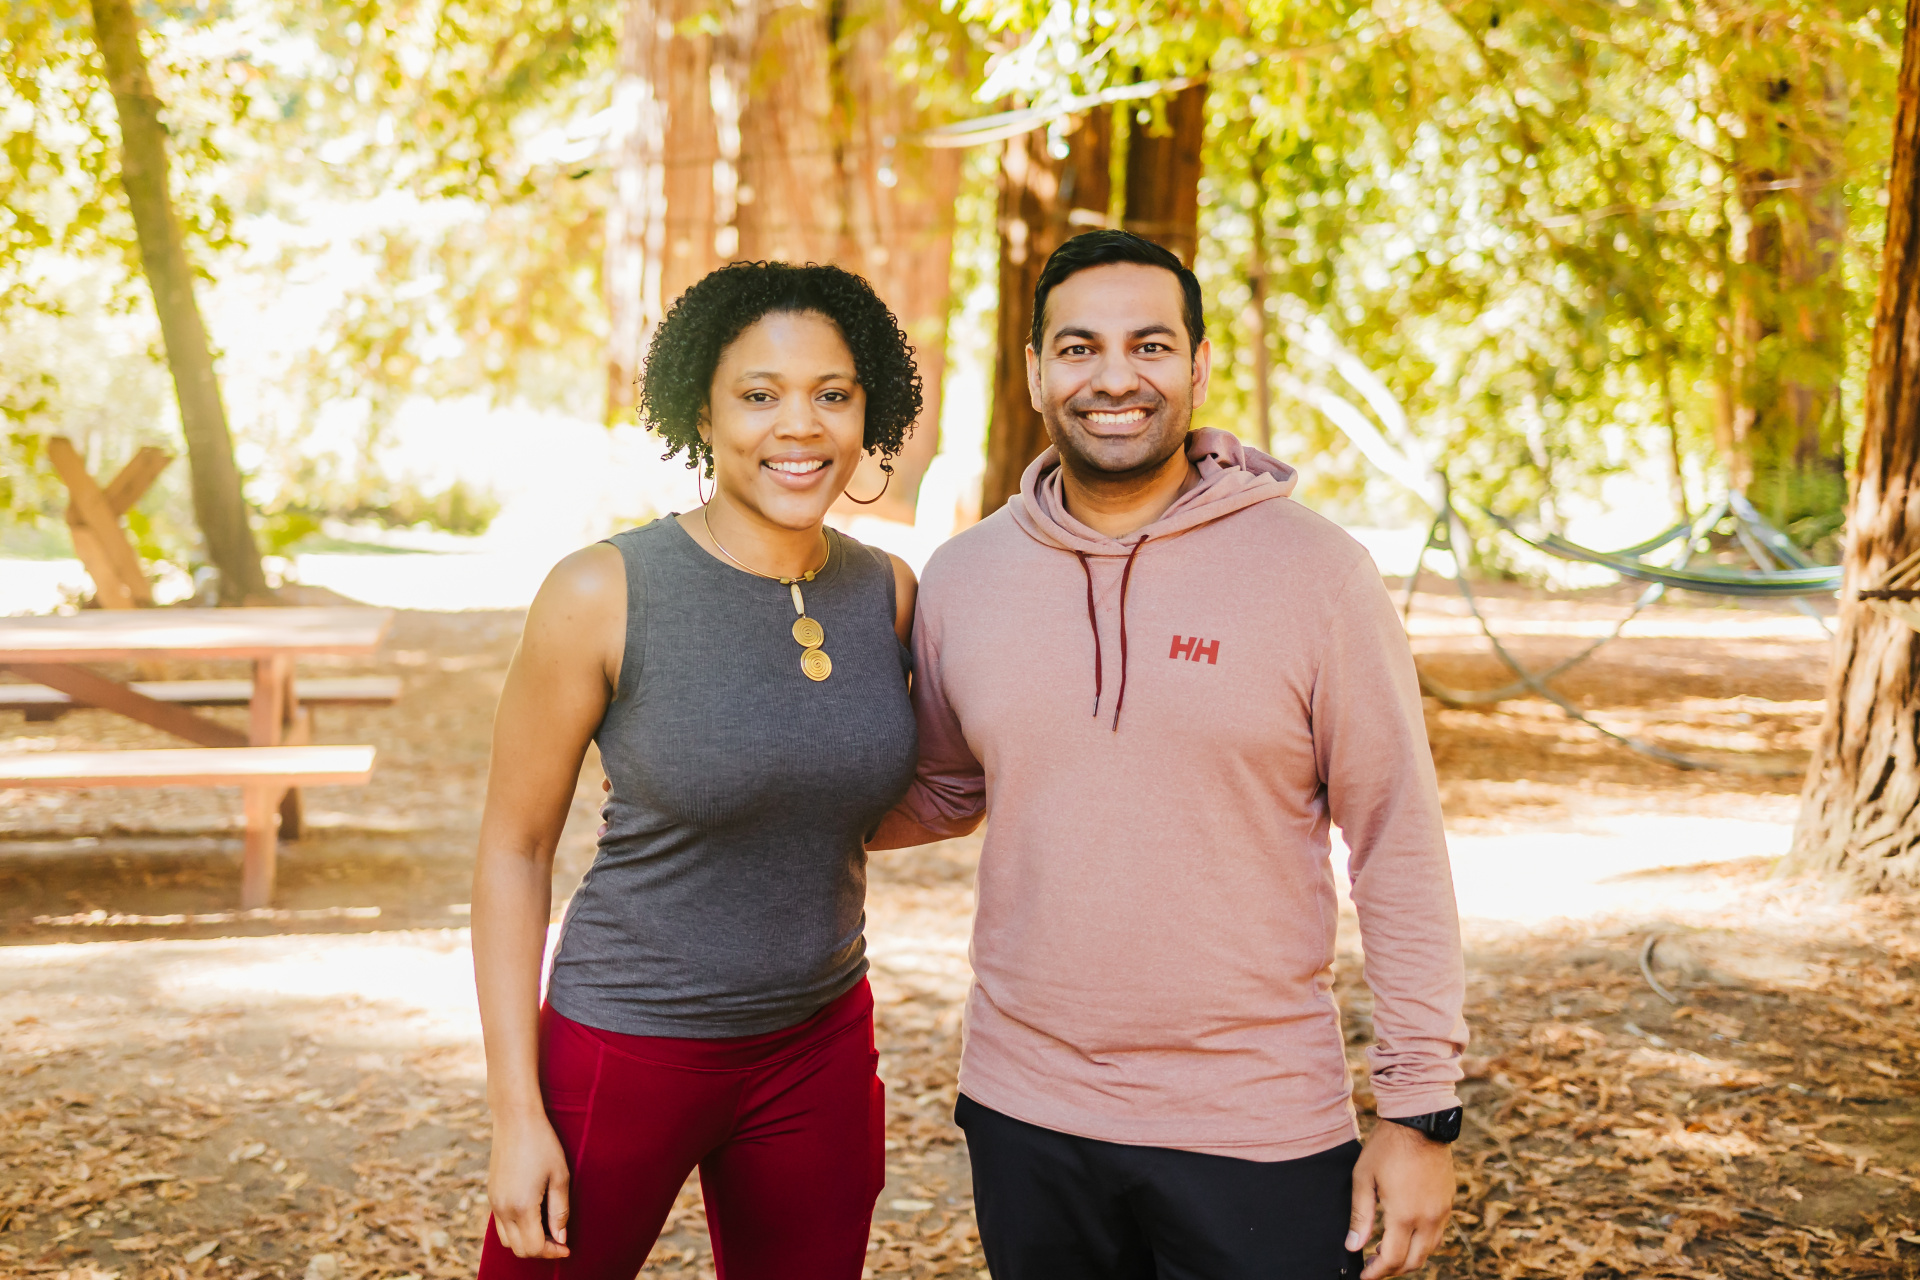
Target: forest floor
<point>188,1091</point>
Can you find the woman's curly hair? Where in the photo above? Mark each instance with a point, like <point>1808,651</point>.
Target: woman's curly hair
<point>687,346</point>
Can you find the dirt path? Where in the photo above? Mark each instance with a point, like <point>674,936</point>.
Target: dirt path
<point>189,1092</point>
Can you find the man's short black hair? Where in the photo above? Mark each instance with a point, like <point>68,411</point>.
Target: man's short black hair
<point>1097,249</point>
<point>688,344</point>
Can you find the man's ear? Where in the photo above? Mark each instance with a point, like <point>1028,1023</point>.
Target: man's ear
<point>1033,380</point>
<point>1202,371</point>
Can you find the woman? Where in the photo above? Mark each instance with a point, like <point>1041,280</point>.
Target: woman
<point>743,671</point>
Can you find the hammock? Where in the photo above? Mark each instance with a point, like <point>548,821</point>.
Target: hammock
<point>1780,569</point>
<point>1448,533</point>
<point>1810,580</point>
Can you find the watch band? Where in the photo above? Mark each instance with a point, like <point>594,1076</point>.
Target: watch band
<point>1440,1126</point>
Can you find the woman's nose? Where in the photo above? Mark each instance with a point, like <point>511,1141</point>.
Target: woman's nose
<point>798,419</point>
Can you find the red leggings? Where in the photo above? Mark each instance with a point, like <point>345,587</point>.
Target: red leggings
<point>787,1130</point>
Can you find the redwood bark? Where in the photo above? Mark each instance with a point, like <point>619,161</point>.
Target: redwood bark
<point>1860,810</point>
<point>1163,174</point>
<point>636,217</point>
<point>790,207</point>
<point>1040,195</point>
<point>898,214</point>
<point>1788,452</point>
<point>788,140</point>
<point>219,505</point>
<point>691,154</point>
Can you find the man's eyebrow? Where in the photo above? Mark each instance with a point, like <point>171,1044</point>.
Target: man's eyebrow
<point>1146,331</point>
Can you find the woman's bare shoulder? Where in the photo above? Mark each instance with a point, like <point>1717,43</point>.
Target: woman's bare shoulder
<point>589,580</point>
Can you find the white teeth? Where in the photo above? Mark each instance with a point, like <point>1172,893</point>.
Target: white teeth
<point>798,468</point>
<point>1130,415</point>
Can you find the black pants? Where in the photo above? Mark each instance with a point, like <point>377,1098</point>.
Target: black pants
<point>1052,1206</point>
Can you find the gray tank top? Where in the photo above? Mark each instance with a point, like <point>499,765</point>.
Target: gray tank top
<point>728,896</point>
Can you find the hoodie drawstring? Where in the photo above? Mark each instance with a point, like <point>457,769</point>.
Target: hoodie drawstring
<point>1093,622</point>
<point>1121,699</point>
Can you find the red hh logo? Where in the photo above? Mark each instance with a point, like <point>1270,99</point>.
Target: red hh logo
<point>1192,648</point>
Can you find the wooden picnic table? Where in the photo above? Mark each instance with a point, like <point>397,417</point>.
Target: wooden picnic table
<point>58,652</point>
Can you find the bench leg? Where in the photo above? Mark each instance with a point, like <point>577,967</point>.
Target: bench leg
<point>293,812</point>
<point>261,804</point>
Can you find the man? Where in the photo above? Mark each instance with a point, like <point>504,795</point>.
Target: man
<point>1162,680</point>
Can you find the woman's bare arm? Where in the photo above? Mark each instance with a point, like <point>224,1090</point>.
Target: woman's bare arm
<point>557,689</point>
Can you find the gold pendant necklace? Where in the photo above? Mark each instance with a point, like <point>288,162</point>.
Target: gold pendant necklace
<point>807,632</point>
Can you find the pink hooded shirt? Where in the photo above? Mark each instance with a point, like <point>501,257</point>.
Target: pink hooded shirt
<point>1161,730</point>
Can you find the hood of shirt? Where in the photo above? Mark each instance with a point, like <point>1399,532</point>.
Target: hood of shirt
<point>1231,477</point>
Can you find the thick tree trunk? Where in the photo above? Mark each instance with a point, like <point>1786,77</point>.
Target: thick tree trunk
<point>790,207</point>
<point>1163,174</point>
<point>1860,811</point>
<point>1039,196</point>
<point>1788,451</point>
<point>899,213</point>
<point>731,81</point>
<point>787,141</point>
<point>692,153</point>
<point>219,505</point>
<point>636,218</point>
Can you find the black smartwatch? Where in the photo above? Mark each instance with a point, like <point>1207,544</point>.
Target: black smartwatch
<point>1441,1126</point>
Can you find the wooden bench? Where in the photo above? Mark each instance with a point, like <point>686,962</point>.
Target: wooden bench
<point>43,703</point>
<point>262,773</point>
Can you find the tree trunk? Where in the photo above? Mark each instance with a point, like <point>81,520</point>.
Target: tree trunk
<point>731,79</point>
<point>1257,303</point>
<point>1039,198</point>
<point>636,218</point>
<point>898,202</point>
<point>1788,452</point>
<point>1860,811</point>
<point>219,505</point>
<point>790,207</point>
<point>692,154</point>
<point>1163,174</point>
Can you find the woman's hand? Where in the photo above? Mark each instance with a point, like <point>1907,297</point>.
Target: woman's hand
<point>528,1185</point>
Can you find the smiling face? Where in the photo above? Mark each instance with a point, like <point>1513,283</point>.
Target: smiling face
<point>1118,380</point>
<point>786,419</point>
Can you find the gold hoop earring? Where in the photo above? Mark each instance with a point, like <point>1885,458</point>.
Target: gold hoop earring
<point>867,502</point>
<point>699,487</point>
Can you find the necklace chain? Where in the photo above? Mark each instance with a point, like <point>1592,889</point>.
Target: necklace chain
<point>808,576</point>
<point>807,632</point>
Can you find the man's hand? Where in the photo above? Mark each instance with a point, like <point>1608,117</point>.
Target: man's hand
<point>1411,1176</point>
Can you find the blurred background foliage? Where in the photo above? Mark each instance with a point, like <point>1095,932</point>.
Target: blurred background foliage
<point>1578,239</point>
